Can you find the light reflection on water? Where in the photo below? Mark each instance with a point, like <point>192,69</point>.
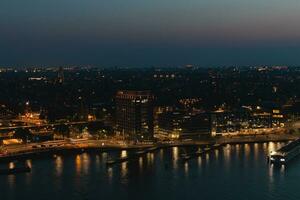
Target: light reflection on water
<point>186,168</point>
<point>282,169</point>
<point>217,153</point>
<point>110,174</point>
<point>247,150</point>
<point>226,154</point>
<point>11,180</point>
<point>244,163</point>
<point>175,154</point>
<point>85,162</point>
<point>124,170</point>
<point>161,153</point>
<point>28,175</point>
<point>272,146</point>
<point>104,156</point>
<point>237,146</point>
<point>59,165</point>
<point>97,161</point>
<point>150,158</point>
<point>207,156</point>
<point>199,161</point>
<point>82,163</point>
<point>265,145</point>
<point>78,162</point>
<point>256,152</point>
<point>271,178</point>
<point>141,164</point>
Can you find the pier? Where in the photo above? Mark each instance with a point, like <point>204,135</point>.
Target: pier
<point>189,156</point>
<point>132,156</point>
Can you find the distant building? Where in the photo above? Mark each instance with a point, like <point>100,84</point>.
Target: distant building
<point>134,114</point>
<point>6,114</point>
<point>31,118</point>
<point>247,121</point>
<point>60,75</point>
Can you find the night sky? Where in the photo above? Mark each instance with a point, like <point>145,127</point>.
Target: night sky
<point>150,32</point>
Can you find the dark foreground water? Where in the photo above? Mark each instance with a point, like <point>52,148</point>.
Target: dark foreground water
<point>234,172</point>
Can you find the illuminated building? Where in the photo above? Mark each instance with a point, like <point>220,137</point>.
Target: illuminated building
<point>60,75</point>
<point>247,121</point>
<point>31,118</point>
<point>134,114</point>
<point>180,124</point>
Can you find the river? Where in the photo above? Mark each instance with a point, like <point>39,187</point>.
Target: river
<point>232,172</point>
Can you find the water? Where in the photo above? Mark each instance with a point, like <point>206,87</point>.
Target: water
<point>234,172</point>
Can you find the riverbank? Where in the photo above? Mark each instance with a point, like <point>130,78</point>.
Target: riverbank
<point>257,138</point>
<point>23,151</point>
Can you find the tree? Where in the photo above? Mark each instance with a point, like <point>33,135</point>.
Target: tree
<point>23,134</point>
<point>63,130</point>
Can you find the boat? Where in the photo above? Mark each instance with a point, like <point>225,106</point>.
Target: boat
<point>285,153</point>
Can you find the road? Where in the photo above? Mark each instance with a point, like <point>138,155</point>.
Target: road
<point>45,125</point>
<point>21,149</point>
<point>7,151</point>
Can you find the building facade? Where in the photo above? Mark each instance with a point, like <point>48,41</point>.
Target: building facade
<point>134,114</point>
<point>182,124</point>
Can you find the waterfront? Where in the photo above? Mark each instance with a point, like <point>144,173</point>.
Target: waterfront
<point>234,172</point>
<point>11,152</point>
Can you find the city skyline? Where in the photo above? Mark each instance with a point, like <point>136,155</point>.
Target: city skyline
<point>138,33</point>
<point>161,99</point>
<point>89,132</point>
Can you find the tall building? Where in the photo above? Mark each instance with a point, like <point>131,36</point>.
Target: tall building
<point>134,114</point>
<point>60,75</point>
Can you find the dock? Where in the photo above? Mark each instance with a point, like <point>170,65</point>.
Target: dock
<point>189,156</point>
<point>133,156</point>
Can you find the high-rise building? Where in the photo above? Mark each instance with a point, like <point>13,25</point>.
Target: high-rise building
<point>60,75</point>
<point>134,114</point>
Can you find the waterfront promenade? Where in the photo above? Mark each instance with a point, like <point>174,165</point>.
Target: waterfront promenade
<point>26,150</point>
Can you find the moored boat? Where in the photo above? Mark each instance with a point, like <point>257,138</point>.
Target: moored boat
<point>285,153</point>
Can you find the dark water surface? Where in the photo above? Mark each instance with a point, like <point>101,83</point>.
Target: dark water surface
<point>233,172</point>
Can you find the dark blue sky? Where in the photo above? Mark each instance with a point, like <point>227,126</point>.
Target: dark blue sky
<point>149,32</point>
